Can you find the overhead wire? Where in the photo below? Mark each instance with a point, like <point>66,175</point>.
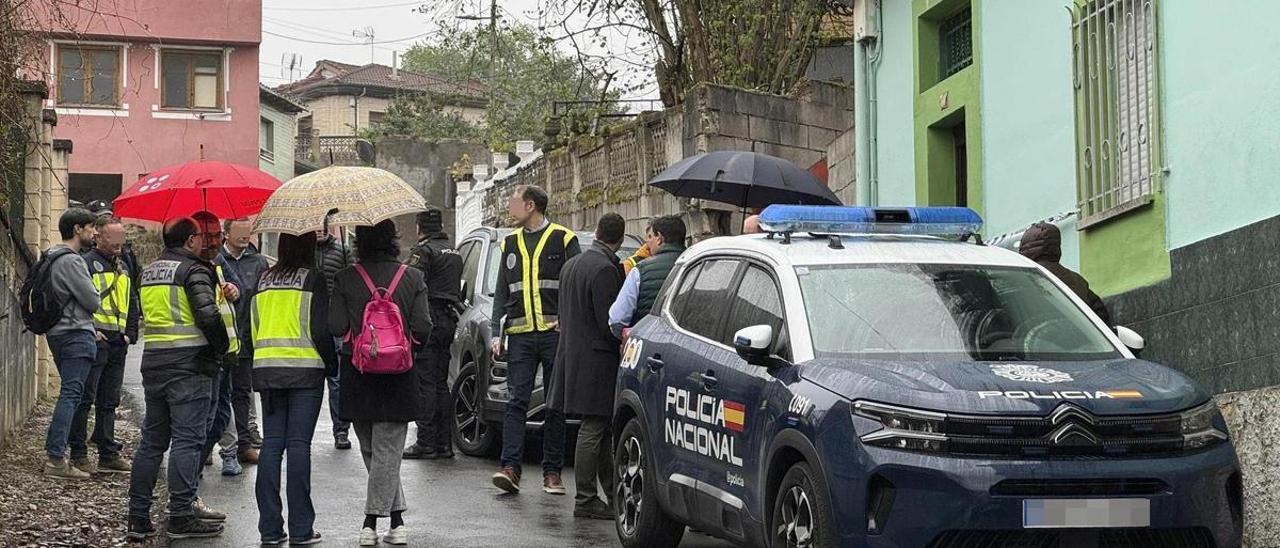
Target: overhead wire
<point>352,8</point>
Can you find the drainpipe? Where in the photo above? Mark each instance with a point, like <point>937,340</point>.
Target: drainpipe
<point>866,57</point>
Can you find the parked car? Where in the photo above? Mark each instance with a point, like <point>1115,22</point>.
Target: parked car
<point>478,381</point>
<point>863,377</point>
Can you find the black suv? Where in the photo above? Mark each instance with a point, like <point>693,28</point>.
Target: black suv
<point>479,382</point>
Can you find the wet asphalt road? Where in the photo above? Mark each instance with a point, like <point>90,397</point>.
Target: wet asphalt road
<point>451,503</point>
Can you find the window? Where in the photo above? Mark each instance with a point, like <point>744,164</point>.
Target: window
<point>87,187</point>
<point>1114,44</point>
<point>266,140</point>
<point>956,34</point>
<point>88,75</point>
<point>191,79</point>
<point>376,117</point>
<point>699,304</point>
<point>757,302</point>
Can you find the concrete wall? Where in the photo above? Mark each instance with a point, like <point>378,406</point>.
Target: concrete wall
<point>842,167</point>
<point>285,129</point>
<point>229,21</point>
<point>894,95</point>
<point>425,166</point>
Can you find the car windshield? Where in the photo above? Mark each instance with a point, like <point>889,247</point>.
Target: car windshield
<point>945,312</point>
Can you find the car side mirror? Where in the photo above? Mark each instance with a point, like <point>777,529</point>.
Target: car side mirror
<point>753,344</point>
<point>1131,339</point>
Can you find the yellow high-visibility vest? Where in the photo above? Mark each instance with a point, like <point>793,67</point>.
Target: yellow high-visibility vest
<point>165,308</point>
<point>534,288</point>
<point>228,315</point>
<point>280,316</point>
<point>116,290</point>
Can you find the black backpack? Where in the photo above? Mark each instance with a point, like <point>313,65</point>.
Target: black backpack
<point>40,307</point>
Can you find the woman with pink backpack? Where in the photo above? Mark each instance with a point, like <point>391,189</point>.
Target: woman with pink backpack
<point>380,307</point>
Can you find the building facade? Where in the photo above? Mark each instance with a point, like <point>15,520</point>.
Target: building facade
<point>1143,128</point>
<point>277,133</point>
<point>140,85</point>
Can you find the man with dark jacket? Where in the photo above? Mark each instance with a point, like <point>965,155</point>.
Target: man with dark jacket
<point>186,340</point>
<point>586,368</point>
<point>244,262</point>
<point>442,266</point>
<point>115,328</point>
<point>331,258</point>
<point>639,291</point>
<point>1042,243</point>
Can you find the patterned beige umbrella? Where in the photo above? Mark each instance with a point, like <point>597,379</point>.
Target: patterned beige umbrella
<point>362,196</point>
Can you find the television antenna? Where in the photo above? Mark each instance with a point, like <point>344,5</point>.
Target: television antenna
<point>367,34</point>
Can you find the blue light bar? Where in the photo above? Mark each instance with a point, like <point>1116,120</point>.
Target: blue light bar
<point>933,221</point>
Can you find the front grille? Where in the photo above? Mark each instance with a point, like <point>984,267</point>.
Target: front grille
<point>1079,488</point>
<point>1077,538</point>
<point>1069,431</point>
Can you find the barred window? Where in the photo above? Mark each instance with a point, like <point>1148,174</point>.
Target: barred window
<point>956,33</point>
<point>1114,44</point>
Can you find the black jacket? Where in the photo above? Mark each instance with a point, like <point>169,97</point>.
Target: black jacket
<point>331,258</point>
<point>200,285</point>
<point>586,368</point>
<point>441,264</point>
<point>378,398</point>
<point>1042,243</point>
<point>98,261</point>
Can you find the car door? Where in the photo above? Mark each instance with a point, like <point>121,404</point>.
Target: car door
<point>688,426</point>
<point>757,300</point>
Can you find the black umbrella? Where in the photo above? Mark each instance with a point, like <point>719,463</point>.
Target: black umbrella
<point>744,179</point>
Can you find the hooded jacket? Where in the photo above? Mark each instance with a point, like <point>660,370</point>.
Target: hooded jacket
<point>1042,243</point>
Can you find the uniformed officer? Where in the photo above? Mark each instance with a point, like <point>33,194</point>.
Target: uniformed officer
<point>442,265</point>
<point>185,341</point>
<point>116,327</point>
<point>527,295</point>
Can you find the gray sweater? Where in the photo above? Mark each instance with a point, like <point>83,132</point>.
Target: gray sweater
<point>74,289</point>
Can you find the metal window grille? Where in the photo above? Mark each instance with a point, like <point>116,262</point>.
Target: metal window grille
<point>1115,77</point>
<point>957,43</point>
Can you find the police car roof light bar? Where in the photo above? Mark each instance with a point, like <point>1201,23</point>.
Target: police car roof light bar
<point>930,221</point>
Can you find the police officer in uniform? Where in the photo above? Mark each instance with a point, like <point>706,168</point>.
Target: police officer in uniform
<point>442,265</point>
<point>527,294</point>
<point>185,341</point>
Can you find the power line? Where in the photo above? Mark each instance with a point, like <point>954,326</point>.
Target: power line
<point>306,41</point>
<point>353,8</point>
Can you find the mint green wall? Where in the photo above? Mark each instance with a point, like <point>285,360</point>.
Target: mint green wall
<point>894,106</point>
<point>1027,117</point>
<point>1220,115</point>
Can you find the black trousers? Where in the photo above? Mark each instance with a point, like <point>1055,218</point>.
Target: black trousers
<point>435,427</point>
<point>241,399</point>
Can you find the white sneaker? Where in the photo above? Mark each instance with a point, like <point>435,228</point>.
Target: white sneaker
<point>368,537</point>
<point>398,536</point>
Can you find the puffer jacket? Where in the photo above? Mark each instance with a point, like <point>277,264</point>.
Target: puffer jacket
<point>1042,243</point>
<point>201,289</point>
<point>332,257</point>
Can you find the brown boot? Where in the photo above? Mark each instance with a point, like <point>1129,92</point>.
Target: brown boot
<point>507,479</point>
<point>249,456</point>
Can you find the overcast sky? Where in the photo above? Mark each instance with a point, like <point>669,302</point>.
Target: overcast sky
<point>310,30</point>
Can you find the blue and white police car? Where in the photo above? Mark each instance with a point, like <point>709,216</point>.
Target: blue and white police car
<point>868,377</point>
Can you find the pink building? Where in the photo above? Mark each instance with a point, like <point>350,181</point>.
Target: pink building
<point>143,84</point>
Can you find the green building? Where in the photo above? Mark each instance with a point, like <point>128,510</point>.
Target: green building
<point>1147,130</point>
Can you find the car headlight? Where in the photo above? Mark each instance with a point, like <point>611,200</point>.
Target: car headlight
<point>1200,427</point>
<point>904,428</point>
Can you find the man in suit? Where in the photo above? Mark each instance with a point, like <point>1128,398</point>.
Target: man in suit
<point>586,366</point>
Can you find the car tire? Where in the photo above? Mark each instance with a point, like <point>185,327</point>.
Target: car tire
<point>801,511</point>
<point>639,518</point>
<point>471,434</point>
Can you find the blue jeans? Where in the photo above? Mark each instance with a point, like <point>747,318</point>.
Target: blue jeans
<point>525,353</point>
<point>219,405</point>
<point>101,390</point>
<point>288,424</point>
<point>177,412</point>
<point>73,353</point>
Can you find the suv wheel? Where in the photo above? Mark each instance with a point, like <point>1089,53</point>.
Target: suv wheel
<point>801,515</point>
<point>639,518</point>
<point>471,433</point>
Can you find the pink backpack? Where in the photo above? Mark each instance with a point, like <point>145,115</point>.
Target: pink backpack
<point>382,347</point>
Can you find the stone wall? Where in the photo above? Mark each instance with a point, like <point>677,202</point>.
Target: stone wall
<point>842,168</point>
<point>607,173</point>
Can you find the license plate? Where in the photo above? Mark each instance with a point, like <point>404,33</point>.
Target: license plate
<point>1075,513</point>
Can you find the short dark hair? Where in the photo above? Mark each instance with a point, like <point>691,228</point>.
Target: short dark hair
<point>611,228</point>
<point>205,217</point>
<point>535,194</point>
<point>377,242</point>
<point>72,219</point>
<point>294,252</point>
<point>670,227</point>
<point>103,220</point>
<point>431,220</point>
<point>178,231</point>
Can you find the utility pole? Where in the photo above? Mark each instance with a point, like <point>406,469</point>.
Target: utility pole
<point>493,45</point>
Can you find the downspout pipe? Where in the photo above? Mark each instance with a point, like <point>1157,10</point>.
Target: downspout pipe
<point>862,135</point>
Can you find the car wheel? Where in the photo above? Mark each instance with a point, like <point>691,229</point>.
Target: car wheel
<point>639,518</point>
<point>801,513</point>
<point>471,433</point>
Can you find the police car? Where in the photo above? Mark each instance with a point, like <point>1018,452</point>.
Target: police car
<point>867,377</point>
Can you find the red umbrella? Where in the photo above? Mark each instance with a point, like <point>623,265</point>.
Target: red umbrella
<point>227,190</point>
